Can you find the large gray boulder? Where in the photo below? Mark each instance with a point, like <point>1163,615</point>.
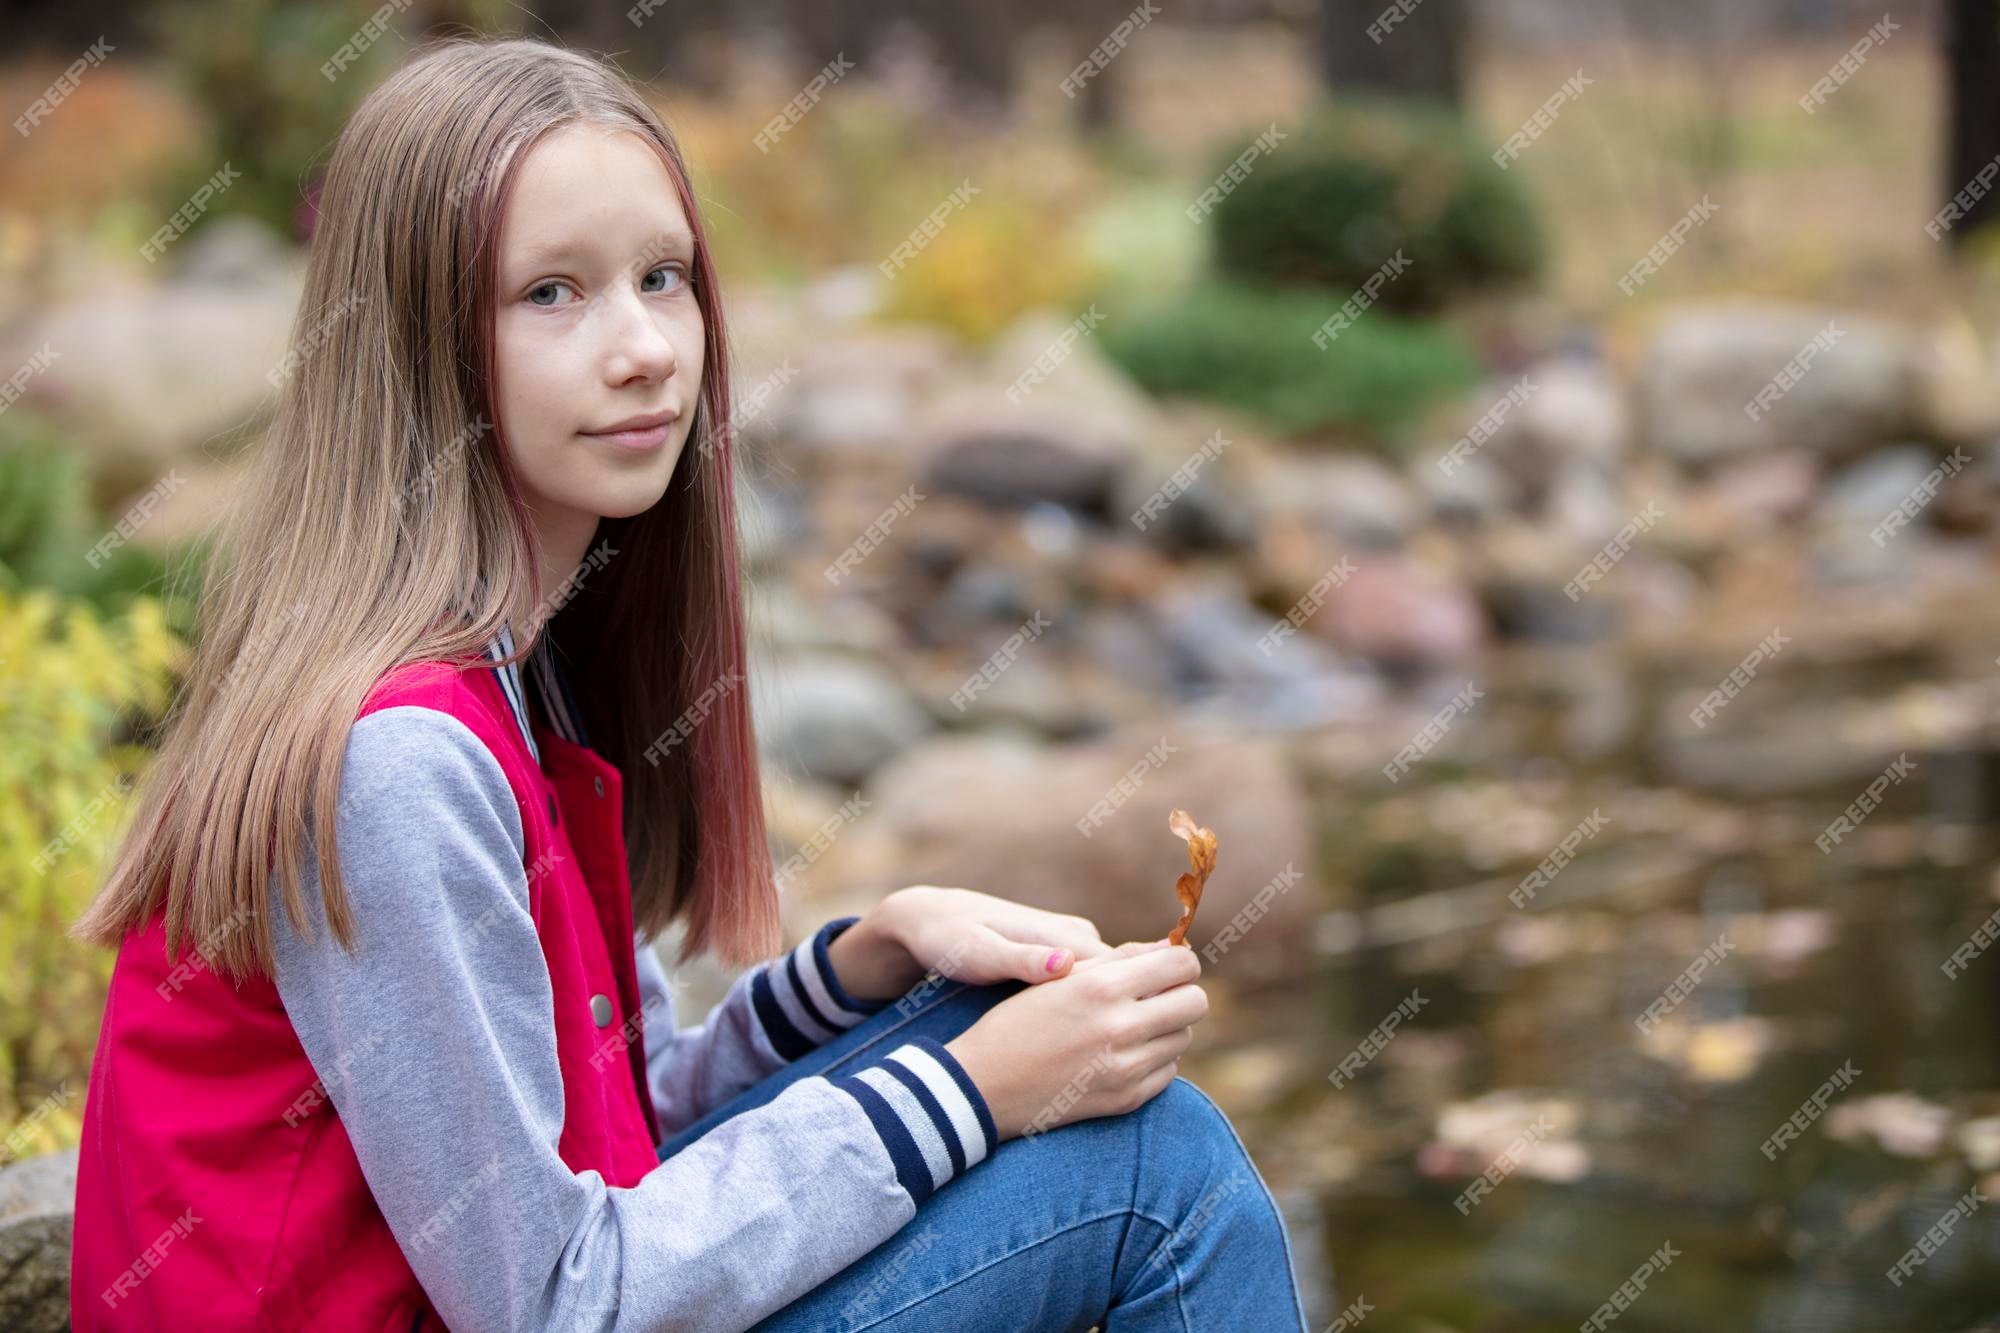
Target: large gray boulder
<point>37,1203</point>
<point>1864,385</point>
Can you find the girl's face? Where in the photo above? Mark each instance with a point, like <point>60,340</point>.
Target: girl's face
<point>598,336</point>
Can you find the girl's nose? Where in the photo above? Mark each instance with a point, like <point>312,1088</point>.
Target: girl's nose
<point>640,349</point>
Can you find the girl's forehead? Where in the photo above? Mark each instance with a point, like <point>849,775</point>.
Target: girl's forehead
<point>578,164</point>
<point>582,187</point>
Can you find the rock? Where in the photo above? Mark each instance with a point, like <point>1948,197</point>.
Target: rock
<point>1727,1050</point>
<point>1477,490</point>
<point>1190,487</point>
<point>236,250</point>
<point>1603,715</point>
<point>1001,814</point>
<point>1041,697</point>
<point>851,393</point>
<point>1979,1140</point>
<point>1050,531</point>
<point>1521,567</point>
<point>831,717</point>
<point>37,1200</point>
<point>1351,501</point>
<point>1083,382</point>
<point>1211,632</point>
<point>1956,378</point>
<point>1576,412</point>
<point>1564,412</point>
<point>772,522</point>
<point>929,542</point>
<point>1901,1124</point>
<point>1210,515</point>
<point>981,592</point>
<point>1126,642</point>
<point>1587,507</point>
<point>786,623</point>
<point>1019,466</point>
<point>1763,489</point>
<point>1707,363</point>
<point>1972,501</point>
<point>1785,938</point>
<point>845,295</point>
<point>1070,439</point>
<point>1859,496</point>
<point>144,374</point>
<point>1394,611</point>
<point>1213,643</point>
<point>1471,1135</point>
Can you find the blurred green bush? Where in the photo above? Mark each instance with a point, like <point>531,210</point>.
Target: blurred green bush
<point>77,688</point>
<point>256,68</point>
<point>1253,347</point>
<point>1355,184</point>
<point>88,658</point>
<point>48,529</point>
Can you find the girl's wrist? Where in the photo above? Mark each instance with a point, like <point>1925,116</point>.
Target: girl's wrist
<point>870,961</point>
<point>973,1058</point>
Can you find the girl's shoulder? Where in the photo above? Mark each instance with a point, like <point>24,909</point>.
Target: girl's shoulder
<point>438,685</point>
<point>452,689</point>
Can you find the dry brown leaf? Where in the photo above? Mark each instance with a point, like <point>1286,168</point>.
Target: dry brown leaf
<point>1201,860</point>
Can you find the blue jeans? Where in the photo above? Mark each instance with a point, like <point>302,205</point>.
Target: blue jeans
<point>1153,1220</point>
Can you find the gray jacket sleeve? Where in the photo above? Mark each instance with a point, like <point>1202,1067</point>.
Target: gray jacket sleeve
<point>434,1045</point>
<point>770,1016</point>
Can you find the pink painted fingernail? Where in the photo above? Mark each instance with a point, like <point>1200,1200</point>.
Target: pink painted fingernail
<point>1057,959</point>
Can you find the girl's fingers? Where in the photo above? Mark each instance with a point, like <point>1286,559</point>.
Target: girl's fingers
<point>1109,955</point>
<point>1034,962</point>
<point>1175,1007</point>
<point>1156,1082</point>
<point>1002,956</point>
<point>1153,967</point>
<point>1056,931</point>
<point>1163,1049</point>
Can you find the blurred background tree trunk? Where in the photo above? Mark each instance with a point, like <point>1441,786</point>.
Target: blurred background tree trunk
<point>1422,55</point>
<point>1972,52</point>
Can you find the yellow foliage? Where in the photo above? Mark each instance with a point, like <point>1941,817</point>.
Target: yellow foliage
<point>991,262</point>
<point>73,689</point>
<point>860,175</point>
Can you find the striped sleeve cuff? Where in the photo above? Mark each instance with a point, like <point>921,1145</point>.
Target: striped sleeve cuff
<point>932,1119</point>
<point>800,1002</point>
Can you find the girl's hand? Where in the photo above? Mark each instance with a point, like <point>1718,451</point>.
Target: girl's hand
<point>1102,1041</point>
<point>977,938</point>
<point>963,936</point>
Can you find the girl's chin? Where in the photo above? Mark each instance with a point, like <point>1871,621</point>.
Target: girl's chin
<point>623,501</point>
<point>622,497</point>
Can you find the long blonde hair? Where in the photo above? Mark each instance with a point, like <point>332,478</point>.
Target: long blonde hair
<point>380,524</point>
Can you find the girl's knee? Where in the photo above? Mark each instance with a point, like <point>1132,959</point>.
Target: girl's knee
<point>1187,1107</point>
<point>1187,1130</point>
<point>1197,1173</point>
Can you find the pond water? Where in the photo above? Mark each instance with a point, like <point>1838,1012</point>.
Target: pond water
<point>1607,1143</point>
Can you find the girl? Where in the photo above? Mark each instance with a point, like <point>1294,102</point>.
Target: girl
<point>444,1085</point>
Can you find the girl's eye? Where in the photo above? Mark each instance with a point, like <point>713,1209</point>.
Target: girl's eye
<point>664,268</point>
<point>646,284</point>
<point>543,287</point>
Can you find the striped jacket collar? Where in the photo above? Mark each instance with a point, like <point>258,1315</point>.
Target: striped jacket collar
<point>547,681</point>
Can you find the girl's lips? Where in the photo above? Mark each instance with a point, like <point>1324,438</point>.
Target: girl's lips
<point>648,437</point>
